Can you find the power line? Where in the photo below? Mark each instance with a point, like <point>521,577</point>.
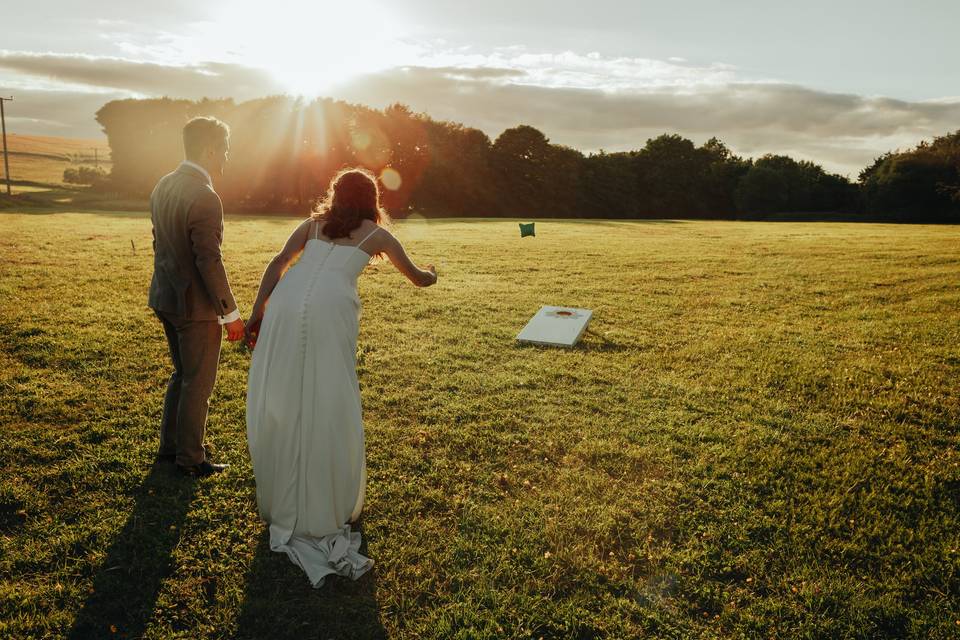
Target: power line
<point>3,124</point>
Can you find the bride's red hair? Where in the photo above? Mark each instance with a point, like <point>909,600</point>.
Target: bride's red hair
<point>353,196</point>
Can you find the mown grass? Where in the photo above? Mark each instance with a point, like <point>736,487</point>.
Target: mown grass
<point>57,145</point>
<point>758,438</point>
<point>42,159</point>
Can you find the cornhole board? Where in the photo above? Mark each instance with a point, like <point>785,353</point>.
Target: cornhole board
<point>556,326</point>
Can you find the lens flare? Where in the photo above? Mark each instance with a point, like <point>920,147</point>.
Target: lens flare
<point>360,140</point>
<point>391,179</point>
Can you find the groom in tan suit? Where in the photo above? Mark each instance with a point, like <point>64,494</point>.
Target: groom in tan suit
<point>190,292</point>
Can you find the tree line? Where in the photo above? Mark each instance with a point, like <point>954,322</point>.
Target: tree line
<point>284,151</point>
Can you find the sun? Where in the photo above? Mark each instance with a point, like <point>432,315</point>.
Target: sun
<point>308,47</point>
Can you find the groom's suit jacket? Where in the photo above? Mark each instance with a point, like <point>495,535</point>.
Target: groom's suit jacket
<point>189,280</point>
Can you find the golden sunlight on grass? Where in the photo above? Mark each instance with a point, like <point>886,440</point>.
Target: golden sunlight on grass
<point>757,438</point>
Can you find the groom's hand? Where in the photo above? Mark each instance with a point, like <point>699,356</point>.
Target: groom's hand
<point>234,330</point>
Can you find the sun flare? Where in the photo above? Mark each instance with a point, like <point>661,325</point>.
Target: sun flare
<point>309,47</point>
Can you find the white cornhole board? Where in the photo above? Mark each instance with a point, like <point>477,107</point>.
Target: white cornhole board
<point>556,326</point>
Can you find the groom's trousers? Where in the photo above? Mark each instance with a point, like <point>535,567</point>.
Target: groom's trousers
<point>195,352</point>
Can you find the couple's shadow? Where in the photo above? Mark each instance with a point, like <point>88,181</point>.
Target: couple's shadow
<point>278,601</point>
<point>126,586</point>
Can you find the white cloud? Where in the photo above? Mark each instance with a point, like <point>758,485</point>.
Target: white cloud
<point>205,79</point>
<point>584,101</point>
<point>844,132</point>
<point>568,69</point>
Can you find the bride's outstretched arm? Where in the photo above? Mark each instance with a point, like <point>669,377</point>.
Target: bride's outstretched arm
<point>398,256</point>
<point>275,269</point>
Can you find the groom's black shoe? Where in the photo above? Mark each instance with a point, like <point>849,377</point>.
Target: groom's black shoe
<point>202,470</point>
<point>170,458</point>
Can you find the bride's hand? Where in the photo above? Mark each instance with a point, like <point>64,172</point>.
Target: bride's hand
<point>252,329</point>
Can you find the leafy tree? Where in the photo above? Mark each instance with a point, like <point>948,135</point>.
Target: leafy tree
<point>671,175</point>
<point>608,186</point>
<point>921,184</point>
<point>534,176</point>
<point>763,189</point>
<point>284,152</point>
<point>777,183</point>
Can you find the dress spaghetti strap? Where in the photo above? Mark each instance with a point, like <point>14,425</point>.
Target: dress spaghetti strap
<point>368,236</point>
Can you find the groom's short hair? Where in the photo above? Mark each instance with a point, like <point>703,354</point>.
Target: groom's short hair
<point>202,133</point>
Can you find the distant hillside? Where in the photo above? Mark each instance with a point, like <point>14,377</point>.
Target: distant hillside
<point>44,158</point>
<point>49,145</point>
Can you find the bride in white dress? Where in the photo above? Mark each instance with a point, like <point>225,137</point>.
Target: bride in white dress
<point>304,422</point>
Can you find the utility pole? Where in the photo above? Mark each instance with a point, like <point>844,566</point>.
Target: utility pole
<point>3,124</point>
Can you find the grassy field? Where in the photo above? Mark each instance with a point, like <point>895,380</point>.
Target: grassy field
<point>758,438</point>
<point>42,159</point>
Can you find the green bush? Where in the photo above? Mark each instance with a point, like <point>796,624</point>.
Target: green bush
<point>93,176</point>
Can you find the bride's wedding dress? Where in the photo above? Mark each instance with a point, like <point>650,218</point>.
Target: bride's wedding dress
<point>304,423</point>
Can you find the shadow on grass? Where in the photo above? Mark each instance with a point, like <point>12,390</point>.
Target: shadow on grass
<point>279,602</point>
<point>595,341</point>
<point>48,199</point>
<point>590,342</point>
<point>126,587</point>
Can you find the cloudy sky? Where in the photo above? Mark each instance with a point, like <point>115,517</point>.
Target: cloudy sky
<point>838,82</point>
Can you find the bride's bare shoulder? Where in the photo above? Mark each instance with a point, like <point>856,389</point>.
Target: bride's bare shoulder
<point>384,231</point>
<point>385,237</point>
